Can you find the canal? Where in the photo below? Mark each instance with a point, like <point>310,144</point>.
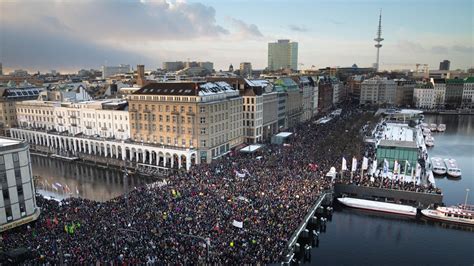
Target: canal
<point>356,237</point>
<point>60,179</point>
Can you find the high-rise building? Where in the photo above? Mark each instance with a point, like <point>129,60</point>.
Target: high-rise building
<point>282,54</point>
<point>1,69</point>
<point>17,189</point>
<point>245,69</point>
<point>173,66</point>
<point>108,71</point>
<point>444,65</point>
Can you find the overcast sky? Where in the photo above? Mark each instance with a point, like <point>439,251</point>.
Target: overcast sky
<point>69,35</point>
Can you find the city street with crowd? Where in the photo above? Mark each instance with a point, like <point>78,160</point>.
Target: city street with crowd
<point>240,209</point>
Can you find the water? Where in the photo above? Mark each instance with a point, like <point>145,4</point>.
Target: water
<point>355,237</point>
<point>81,180</point>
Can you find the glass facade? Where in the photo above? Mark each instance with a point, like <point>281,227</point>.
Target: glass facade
<point>401,154</point>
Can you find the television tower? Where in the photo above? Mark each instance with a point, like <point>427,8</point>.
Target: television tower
<point>378,40</point>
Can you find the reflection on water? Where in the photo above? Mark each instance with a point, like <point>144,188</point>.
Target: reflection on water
<point>73,179</point>
<point>356,237</point>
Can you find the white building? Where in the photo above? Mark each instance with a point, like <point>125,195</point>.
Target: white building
<point>17,191</point>
<point>468,93</point>
<point>439,86</point>
<point>424,96</point>
<point>378,91</point>
<point>108,71</point>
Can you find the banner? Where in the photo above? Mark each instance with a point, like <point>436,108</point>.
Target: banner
<point>344,164</point>
<point>396,167</point>
<point>385,166</point>
<point>238,224</point>
<point>354,164</point>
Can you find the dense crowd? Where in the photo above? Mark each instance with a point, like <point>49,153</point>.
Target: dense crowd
<point>246,206</point>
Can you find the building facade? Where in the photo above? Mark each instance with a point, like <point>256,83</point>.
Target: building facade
<point>424,96</point>
<point>378,91</point>
<point>444,65</point>
<point>404,92</point>
<point>468,93</point>
<point>17,191</point>
<point>294,100</point>
<point>9,97</point>
<point>454,92</point>
<point>282,54</point>
<point>205,117</point>
<point>246,69</point>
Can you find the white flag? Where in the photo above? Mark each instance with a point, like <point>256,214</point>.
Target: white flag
<point>385,166</point>
<point>344,164</point>
<point>395,167</point>
<point>354,164</point>
<point>365,163</point>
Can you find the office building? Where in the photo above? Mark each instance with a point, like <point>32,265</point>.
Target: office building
<point>294,100</point>
<point>424,96</point>
<point>283,54</point>
<point>454,93</point>
<point>404,92</point>
<point>17,191</point>
<point>444,65</point>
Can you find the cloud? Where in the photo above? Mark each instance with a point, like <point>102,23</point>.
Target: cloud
<point>297,28</point>
<point>410,47</point>
<point>438,49</point>
<point>51,34</point>
<point>245,30</point>
<point>335,22</point>
<point>463,49</point>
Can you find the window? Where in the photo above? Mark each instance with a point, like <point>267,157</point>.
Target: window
<point>183,142</point>
<point>203,120</point>
<point>202,109</point>
<point>203,143</point>
<point>190,109</point>
<point>15,157</point>
<point>203,130</point>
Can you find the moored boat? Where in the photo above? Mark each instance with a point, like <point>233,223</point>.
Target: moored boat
<point>378,206</point>
<point>438,166</point>
<point>433,127</point>
<point>462,214</point>
<point>441,127</point>
<point>452,168</point>
<point>429,141</point>
<point>426,131</point>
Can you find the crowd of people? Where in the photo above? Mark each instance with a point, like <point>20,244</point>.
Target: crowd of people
<point>240,209</point>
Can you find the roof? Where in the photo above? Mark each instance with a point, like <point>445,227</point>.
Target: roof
<point>284,134</point>
<point>397,143</point>
<point>251,148</point>
<point>170,88</point>
<point>454,81</point>
<point>469,80</point>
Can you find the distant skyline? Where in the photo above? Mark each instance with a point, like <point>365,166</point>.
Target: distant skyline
<point>70,35</point>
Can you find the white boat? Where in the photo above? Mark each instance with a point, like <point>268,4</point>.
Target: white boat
<point>426,131</point>
<point>452,168</point>
<point>441,127</point>
<point>433,127</point>
<point>462,214</point>
<point>438,166</point>
<point>424,125</point>
<point>429,141</point>
<point>378,206</point>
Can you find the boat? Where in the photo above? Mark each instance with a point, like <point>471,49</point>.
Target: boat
<point>424,125</point>
<point>429,141</point>
<point>433,127</point>
<point>426,131</point>
<point>441,128</point>
<point>438,166</point>
<point>452,168</point>
<point>378,206</point>
<point>462,214</point>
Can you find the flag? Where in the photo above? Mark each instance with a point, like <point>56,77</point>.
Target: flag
<point>238,224</point>
<point>354,164</point>
<point>365,163</point>
<point>396,167</point>
<point>385,166</point>
<point>344,164</point>
<point>54,187</point>
<point>58,184</point>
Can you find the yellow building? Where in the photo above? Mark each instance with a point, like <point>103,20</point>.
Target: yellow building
<point>206,117</point>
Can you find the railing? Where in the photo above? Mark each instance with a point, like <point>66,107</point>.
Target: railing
<point>302,226</point>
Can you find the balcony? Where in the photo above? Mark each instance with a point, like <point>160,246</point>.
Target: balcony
<point>73,116</point>
<point>59,116</point>
<point>174,112</point>
<point>103,128</point>
<point>74,125</point>
<point>190,114</point>
<point>121,130</point>
<point>88,127</point>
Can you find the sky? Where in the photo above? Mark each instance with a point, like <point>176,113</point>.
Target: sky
<point>68,35</point>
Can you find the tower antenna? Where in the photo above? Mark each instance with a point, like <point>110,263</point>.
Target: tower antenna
<point>378,40</point>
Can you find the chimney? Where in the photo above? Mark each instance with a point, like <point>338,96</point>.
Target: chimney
<point>140,75</point>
